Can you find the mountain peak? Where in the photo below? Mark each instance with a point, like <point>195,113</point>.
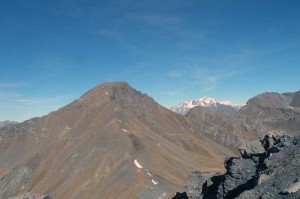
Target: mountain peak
<point>208,102</point>
<point>107,90</point>
<point>121,94</point>
<point>113,132</point>
<point>118,84</point>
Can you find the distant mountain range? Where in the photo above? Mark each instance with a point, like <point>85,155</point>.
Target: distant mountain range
<point>7,122</point>
<point>116,142</point>
<point>207,102</point>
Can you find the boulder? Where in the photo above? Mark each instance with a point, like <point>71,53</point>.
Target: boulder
<point>252,148</point>
<point>196,184</point>
<point>238,178</point>
<point>292,188</point>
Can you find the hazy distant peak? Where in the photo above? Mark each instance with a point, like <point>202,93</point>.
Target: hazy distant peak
<point>7,122</point>
<point>208,102</point>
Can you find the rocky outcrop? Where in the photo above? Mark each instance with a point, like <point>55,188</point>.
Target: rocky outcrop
<point>266,169</point>
<point>199,184</point>
<point>251,148</point>
<point>31,196</point>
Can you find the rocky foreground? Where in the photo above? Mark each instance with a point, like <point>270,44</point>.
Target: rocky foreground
<point>269,168</point>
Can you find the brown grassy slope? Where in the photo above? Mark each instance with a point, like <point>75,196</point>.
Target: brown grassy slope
<point>87,149</point>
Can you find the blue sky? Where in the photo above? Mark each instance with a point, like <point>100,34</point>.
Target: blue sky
<point>51,52</point>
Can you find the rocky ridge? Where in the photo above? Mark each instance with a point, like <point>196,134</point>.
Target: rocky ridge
<point>267,169</point>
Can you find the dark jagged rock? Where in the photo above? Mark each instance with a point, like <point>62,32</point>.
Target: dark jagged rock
<point>180,196</point>
<point>275,143</point>
<point>240,176</point>
<point>268,169</point>
<point>194,182</point>
<point>252,148</point>
<point>201,185</point>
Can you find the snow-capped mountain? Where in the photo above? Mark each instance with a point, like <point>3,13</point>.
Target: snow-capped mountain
<point>208,102</point>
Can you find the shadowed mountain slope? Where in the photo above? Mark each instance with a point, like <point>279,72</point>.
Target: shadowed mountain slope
<point>113,142</point>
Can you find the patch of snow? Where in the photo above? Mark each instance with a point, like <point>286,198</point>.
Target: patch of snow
<point>154,182</point>
<point>74,155</point>
<point>106,93</point>
<point>119,121</point>
<point>150,187</point>
<point>294,108</point>
<point>125,131</point>
<point>68,127</point>
<point>149,173</point>
<point>137,164</point>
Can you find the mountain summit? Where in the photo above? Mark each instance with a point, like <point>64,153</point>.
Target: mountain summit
<point>112,142</point>
<point>207,102</point>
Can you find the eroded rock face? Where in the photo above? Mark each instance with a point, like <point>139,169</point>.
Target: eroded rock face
<point>268,169</point>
